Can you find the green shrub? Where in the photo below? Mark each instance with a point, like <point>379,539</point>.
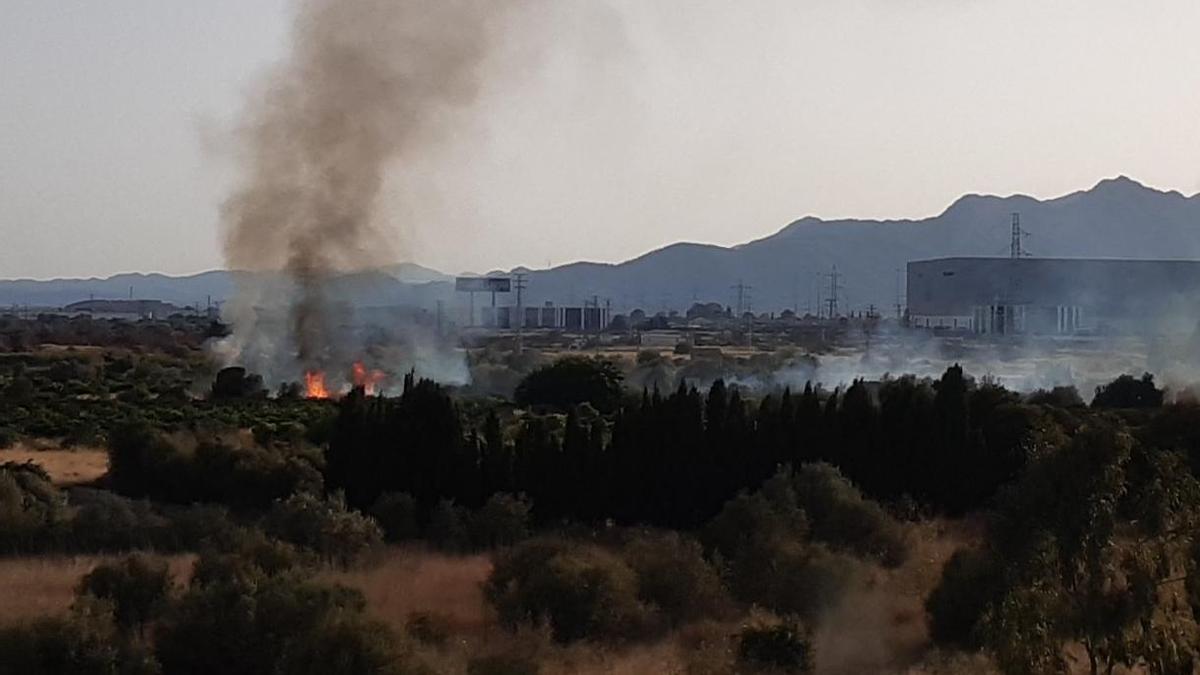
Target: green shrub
<point>32,510</point>
<point>970,582</point>
<point>674,577</point>
<point>447,529</point>
<point>279,624</point>
<point>108,522</point>
<point>325,526</point>
<point>85,642</point>
<point>503,664</point>
<point>396,513</point>
<point>252,557</point>
<point>502,521</point>
<point>138,587</point>
<point>792,577</point>
<point>846,520</point>
<point>580,590</point>
<point>784,647</point>
<point>428,628</point>
<point>570,381</point>
<point>7,437</point>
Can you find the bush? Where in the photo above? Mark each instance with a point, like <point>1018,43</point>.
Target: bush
<point>580,590</point>
<point>571,381</point>
<point>82,643</point>
<point>784,647</point>
<point>503,664</point>
<point>1057,397</point>
<point>448,527</point>
<point>970,582</point>
<point>428,628</point>
<point>32,510</point>
<point>396,513</point>
<point>325,526</point>
<point>253,557</point>
<point>107,522</point>
<point>233,383</point>
<point>1129,392</point>
<point>846,520</point>
<point>747,519</point>
<point>503,521</point>
<point>138,587</point>
<point>143,463</point>
<point>791,577</point>
<point>279,624</point>
<point>7,437</point>
<point>674,577</point>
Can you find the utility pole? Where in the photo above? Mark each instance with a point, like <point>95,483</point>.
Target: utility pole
<point>520,284</point>
<point>834,287</point>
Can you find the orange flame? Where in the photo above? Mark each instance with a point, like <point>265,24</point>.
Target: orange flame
<point>367,379</point>
<point>314,384</point>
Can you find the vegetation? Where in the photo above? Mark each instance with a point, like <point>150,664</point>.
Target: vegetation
<point>600,518</point>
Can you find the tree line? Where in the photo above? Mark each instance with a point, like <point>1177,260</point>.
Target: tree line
<point>673,460</point>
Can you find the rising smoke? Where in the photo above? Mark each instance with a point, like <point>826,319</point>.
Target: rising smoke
<point>362,89</point>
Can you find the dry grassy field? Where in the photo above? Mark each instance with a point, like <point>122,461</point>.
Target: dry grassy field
<point>65,466</point>
<point>36,586</point>
<point>880,627</point>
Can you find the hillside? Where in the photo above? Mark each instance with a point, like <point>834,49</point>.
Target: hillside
<point>1118,217</point>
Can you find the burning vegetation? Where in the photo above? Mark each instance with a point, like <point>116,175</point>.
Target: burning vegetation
<point>357,92</point>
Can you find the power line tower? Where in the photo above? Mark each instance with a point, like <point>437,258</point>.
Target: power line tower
<point>743,291</point>
<point>899,305</point>
<point>1016,250</point>
<point>519,282</point>
<point>834,287</point>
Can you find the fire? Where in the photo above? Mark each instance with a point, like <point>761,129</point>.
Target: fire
<point>367,379</point>
<point>314,384</point>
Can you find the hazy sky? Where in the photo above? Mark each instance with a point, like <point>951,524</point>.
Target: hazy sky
<point>602,129</point>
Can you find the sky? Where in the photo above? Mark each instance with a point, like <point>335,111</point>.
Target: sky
<point>602,129</point>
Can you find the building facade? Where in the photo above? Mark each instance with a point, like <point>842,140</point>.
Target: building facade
<point>1054,296</point>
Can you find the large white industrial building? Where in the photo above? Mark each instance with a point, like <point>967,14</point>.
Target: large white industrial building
<point>1064,296</point>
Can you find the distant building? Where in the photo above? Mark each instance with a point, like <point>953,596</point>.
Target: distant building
<point>1049,296</point>
<point>587,319</point>
<point>126,309</point>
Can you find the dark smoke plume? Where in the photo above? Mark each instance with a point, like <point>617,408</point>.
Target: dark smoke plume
<point>359,90</point>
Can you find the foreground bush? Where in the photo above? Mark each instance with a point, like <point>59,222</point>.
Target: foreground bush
<point>579,590</point>
<point>844,519</point>
<point>674,577</point>
<point>970,582</point>
<point>85,642</point>
<point>783,647</point>
<point>31,509</point>
<point>138,587</point>
<point>503,665</point>
<point>324,526</point>
<point>273,624</point>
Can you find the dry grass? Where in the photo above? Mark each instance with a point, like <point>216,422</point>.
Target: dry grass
<point>32,587</point>
<point>881,626</point>
<point>66,467</point>
<point>404,581</point>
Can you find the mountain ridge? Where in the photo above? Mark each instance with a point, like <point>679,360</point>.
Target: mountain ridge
<point>1116,217</point>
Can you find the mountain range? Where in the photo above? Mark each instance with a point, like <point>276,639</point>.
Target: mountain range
<point>1117,218</point>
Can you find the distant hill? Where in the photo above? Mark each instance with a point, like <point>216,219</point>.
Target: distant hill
<point>1118,218</point>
